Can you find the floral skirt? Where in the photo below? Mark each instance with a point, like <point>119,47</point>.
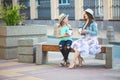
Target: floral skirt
<point>87,45</point>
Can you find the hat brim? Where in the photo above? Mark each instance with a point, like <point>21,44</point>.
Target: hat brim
<point>63,18</point>
<point>90,14</point>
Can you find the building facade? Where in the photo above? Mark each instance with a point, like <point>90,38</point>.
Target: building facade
<point>106,12</point>
<point>50,9</point>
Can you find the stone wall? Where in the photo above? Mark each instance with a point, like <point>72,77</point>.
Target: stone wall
<point>102,25</point>
<point>9,36</point>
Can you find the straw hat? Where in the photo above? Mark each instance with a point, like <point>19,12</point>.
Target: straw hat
<point>90,11</point>
<point>61,17</point>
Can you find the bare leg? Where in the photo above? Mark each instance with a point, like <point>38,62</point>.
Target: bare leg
<point>80,59</point>
<point>72,65</point>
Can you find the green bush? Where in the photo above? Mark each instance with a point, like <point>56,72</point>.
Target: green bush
<point>10,15</point>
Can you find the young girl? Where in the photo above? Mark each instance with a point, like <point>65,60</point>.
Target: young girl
<point>88,44</point>
<point>65,38</point>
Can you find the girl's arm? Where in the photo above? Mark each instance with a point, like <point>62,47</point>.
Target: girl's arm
<point>58,31</point>
<point>94,30</point>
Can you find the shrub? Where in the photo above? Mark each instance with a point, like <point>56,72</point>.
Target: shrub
<point>10,15</point>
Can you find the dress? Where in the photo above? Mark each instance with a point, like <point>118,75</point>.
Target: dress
<point>88,44</point>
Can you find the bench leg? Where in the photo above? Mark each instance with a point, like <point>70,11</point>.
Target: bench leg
<point>39,54</point>
<point>45,57</point>
<point>41,57</point>
<point>109,52</point>
<point>100,56</point>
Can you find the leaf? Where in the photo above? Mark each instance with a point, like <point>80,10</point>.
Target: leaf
<point>11,15</point>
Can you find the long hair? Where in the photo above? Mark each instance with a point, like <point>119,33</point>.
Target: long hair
<point>91,18</point>
<point>62,22</point>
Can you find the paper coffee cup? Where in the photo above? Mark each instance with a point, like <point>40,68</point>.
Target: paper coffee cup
<point>80,29</point>
<point>70,32</point>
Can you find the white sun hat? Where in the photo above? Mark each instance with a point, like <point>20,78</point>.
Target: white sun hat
<point>90,11</point>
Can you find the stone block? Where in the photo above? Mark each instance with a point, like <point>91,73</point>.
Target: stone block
<point>8,53</point>
<point>9,37</point>
<point>109,53</point>
<point>23,30</point>
<point>42,38</point>
<point>103,41</point>
<point>100,56</point>
<point>25,50</point>
<point>25,58</point>
<point>27,41</point>
<point>41,57</point>
<point>38,53</point>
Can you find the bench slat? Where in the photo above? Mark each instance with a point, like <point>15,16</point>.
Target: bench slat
<point>50,48</point>
<point>55,48</point>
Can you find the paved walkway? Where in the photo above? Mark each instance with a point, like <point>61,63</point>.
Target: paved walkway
<point>92,69</point>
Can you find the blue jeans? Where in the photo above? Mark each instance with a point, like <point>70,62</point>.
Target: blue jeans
<point>64,52</point>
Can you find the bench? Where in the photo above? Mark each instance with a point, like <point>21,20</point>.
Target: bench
<point>43,48</point>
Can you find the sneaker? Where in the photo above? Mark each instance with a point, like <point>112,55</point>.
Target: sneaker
<point>62,64</point>
<point>67,63</point>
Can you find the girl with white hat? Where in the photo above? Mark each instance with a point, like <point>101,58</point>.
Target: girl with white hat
<point>88,44</point>
<point>65,38</point>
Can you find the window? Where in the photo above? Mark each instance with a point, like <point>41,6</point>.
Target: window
<point>38,2</point>
<point>64,2</point>
<point>8,2</point>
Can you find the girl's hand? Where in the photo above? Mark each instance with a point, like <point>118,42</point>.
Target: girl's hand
<point>79,32</point>
<point>66,35</point>
<point>59,36</point>
<point>83,32</point>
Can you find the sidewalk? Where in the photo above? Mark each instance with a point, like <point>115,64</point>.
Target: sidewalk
<point>92,70</point>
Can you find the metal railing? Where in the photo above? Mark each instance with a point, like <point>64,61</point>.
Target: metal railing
<point>26,11</point>
<point>115,9</point>
<point>96,6</point>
